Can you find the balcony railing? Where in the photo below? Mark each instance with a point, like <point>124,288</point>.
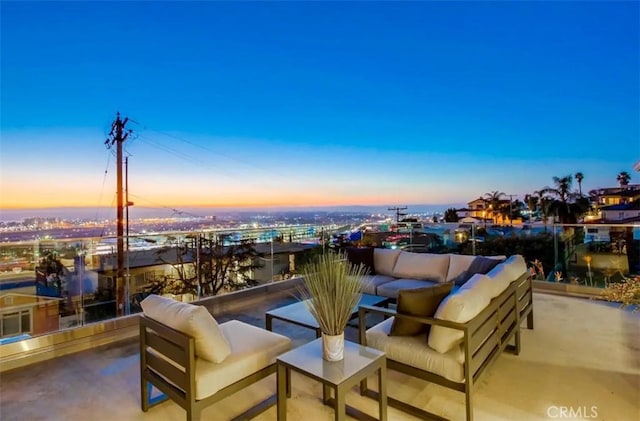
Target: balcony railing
<point>50,285</point>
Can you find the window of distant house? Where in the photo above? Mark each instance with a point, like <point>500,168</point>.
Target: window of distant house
<point>15,323</point>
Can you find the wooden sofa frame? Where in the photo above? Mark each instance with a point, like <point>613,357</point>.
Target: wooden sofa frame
<point>180,384</point>
<point>485,337</point>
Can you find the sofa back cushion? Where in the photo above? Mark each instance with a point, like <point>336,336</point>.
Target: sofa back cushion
<point>461,306</point>
<point>485,285</point>
<point>420,302</point>
<point>192,320</point>
<point>458,266</point>
<point>516,266</point>
<point>362,256</point>
<point>462,268</point>
<point>423,266</point>
<point>384,260</point>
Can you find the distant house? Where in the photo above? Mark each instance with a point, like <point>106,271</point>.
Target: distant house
<point>481,210</point>
<point>147,266</point>
<point>28,314</point>
<point>617,195</point>
<point>614,204</point>
<point>621,213</point>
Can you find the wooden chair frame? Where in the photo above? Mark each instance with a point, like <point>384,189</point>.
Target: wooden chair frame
<point>177,381</point>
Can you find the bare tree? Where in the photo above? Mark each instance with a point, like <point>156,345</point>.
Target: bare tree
<point>207,266</point>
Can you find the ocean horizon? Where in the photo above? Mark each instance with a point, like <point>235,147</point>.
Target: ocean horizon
<point>100,213</point>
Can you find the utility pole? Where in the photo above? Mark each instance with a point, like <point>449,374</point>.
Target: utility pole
<point>511,209</point>
<point>117,137</point>
<point>129,204</point>
<point>398,214</point>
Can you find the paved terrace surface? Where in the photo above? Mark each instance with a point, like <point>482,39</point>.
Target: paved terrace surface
<point>583,355</point>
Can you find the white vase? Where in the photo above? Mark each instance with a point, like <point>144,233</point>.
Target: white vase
<point>333,347</point>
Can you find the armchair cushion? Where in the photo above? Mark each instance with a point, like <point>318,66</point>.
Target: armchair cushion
<point>421,302</point>
<point>193,320</point>
<point>253,349</point>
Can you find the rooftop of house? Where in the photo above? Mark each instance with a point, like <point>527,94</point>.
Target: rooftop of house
<point>583,355</point>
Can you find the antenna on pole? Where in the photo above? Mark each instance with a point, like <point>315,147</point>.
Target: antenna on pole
<point>397,209</point>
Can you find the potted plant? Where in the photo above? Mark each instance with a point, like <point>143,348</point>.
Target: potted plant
<point>331,290</point>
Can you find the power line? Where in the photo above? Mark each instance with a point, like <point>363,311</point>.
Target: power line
<point>104,182</point>
<point>194,144</point>
<point>172,209</point>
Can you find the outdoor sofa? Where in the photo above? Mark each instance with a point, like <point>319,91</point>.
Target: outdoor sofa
<point>450,334</point>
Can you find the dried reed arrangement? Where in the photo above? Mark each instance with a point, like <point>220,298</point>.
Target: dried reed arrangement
<point>331,290</point>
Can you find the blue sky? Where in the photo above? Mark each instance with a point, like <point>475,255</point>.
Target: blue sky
<point>315,103</point>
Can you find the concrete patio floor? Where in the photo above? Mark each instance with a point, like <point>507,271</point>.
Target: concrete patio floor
<point>583,356</point>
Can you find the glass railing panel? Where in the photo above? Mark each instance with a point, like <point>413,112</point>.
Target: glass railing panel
<point>595,255</point>
<point>48,284</point>
<point>51,284</point>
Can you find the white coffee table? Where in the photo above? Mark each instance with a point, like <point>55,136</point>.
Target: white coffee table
<point>359,362</point>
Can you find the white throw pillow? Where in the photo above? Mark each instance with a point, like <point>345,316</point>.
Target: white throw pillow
<point>193,320</point>
<point>384,260</point>
<point>423,266</point>
<point>461,306</point>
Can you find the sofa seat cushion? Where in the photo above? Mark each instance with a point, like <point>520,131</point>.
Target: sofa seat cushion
<point>420,302</point>
<point>391,289</point>
<point>460,307</point>
<point>425,266</point>
<point>193,320</point>
<point>252,349</point>
<point>384,260</point>
<point>413,351</point>
<point>372,282</point>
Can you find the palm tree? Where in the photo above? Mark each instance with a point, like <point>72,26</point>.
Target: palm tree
<point>545,207</point>
<point>493,199</point>
<point>562,188</point>
<point>562,191</point>
<point>451,215</point>
<point>579,177</point>
<point>623,178</point>
<point>532,203</point>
